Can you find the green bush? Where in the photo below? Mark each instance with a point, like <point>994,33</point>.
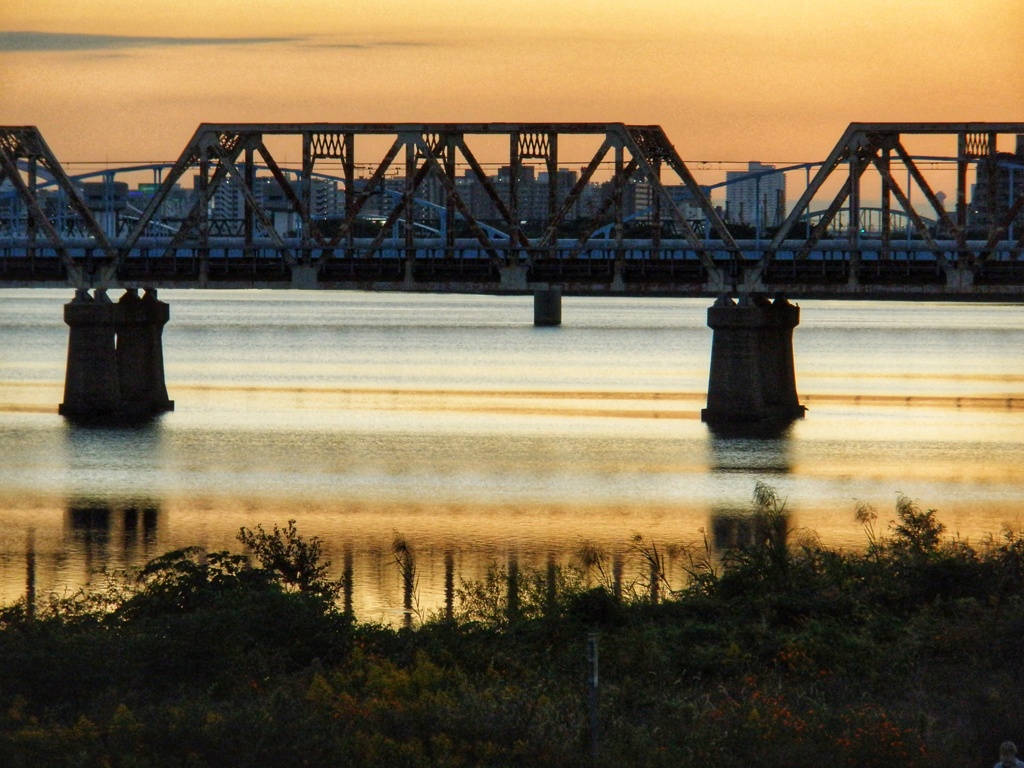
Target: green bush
<point>907,653</point>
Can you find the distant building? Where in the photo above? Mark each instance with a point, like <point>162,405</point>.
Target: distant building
<point>687,203</point>
<point>228,200</point>
<point>643,203</point>
<point>565,180</point>
<point>323,200</point>
<point>756,196</point>
<point>999,180</point>
<point>532,197</point>
<point>176,205</point>
<point>106,200</point>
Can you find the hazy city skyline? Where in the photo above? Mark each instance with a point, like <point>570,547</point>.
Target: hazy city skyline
<point>110,80</point>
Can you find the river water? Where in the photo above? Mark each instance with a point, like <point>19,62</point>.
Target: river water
<point>452,422</point>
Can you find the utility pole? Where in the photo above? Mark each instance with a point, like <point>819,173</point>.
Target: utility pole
<point>592,691</point>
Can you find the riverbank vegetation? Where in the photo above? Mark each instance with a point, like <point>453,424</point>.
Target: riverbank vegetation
<point>779,653</point>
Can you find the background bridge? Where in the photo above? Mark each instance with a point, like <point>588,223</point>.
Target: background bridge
<point>411,207</point>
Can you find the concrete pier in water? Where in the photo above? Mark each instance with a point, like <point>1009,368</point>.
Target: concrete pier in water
<point>115,368</point>
<point>547,307</point>
<point>752,383</point>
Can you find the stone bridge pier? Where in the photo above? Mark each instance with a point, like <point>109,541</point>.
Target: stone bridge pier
<point>547,307</point>
<point>115,368</point>
<point>752,383</point>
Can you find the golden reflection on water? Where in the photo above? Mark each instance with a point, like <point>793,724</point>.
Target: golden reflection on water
<point>77,542</point>
<point>882,469</point>
<point>27,408</point>
<point>19,397</point>
<point>451,393</point>
<point>1006,402</point>
<point>555,404</point>
<point>967,378</point>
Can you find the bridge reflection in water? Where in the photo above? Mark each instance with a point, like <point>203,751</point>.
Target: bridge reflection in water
<point>105,535</point>
<point>403,581</point>
<point>96,525</point>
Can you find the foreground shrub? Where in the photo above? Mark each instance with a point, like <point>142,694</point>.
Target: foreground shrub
<point>908,653</point>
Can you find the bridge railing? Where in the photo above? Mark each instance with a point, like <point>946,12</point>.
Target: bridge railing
<point>635,265</point>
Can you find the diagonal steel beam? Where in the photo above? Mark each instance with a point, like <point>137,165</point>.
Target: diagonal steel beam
<point>646,164</point>
<point>675,162</point>
<point>1018,249</point>
<point>405,201</point>
<point>908,208</point>
<point>185,161</point>
<point>551,230</point>
<point>492,193</point>
<point>940,210</point>
<point>367,192</point>
<point>819,229</point>
<point>193,154</point>
<point>452,195</point>
<point>256,206</point>
<point>856,146</point>
<point>618,181</point>
<point>75,201</point>
<point>28,142</point>
<point>1002,227</point>
<point>838,154</point>
<point>289,192</point>
<point>10,171</point>
<point>197,214</point>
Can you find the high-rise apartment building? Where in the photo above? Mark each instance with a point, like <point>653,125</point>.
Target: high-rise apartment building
<point>756,196</point>
<point>228,199</point>
<point>999,181</point>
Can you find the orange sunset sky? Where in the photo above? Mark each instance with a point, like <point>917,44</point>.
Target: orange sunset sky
<point>729,80</point>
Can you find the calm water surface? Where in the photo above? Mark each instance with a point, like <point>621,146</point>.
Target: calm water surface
<point>452,421</point>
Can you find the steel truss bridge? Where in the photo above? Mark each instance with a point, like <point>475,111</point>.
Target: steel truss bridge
<point>438,241</point>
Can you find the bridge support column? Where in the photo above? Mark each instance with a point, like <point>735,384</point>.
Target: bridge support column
<point>752,381</point>
<point>618,282</point>
<point>512,278</point>
<point>91,388</point>
<point>547,307</point>
<point>140,355</point>
<point>115,368</point>
<point>304,277</point>
<point>959,279</point>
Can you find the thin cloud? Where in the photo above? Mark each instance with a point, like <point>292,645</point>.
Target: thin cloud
<point>367,46</point>
<point>341,46</point>
<point>67,41</point>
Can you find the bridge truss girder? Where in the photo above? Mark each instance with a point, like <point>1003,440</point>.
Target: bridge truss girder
<point>227,154</point>
<point>866,145</point>
<point>430,154</point>
<point>25,146</point>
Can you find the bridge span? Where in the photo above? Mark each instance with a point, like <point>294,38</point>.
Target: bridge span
<point>427,216</point>
<point>423,214</point>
